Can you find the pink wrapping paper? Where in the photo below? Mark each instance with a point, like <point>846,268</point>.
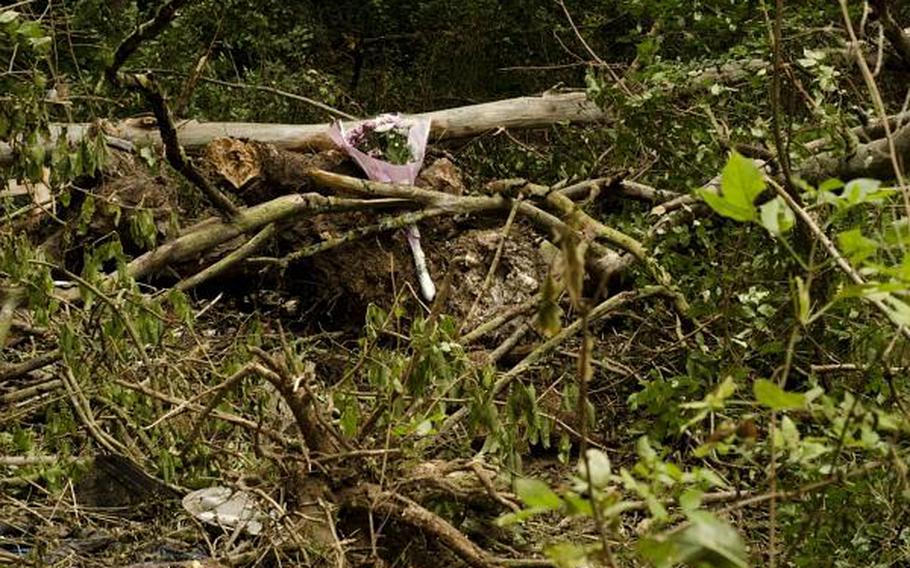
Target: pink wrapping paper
<point>380,170</point>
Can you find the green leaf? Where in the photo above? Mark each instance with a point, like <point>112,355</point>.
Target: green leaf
<point>724,207</point>
<point>777,217</point>
<point>515,518</point>
<point>740,182</point>
<point>857,247</point>
<point>8,16</point>
<point>31,30</point>
<point>774,397</point>
<point>578,505</point>
<point>567,555</point>
<point>707,541</point>
<point>537,494</point>
<point>830,184</point>
<point>862,190</point>
<point>350,418</point>
<point>599,462</point>
<point>690,500</point>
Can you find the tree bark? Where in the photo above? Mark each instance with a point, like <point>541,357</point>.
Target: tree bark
<point>522,112</point>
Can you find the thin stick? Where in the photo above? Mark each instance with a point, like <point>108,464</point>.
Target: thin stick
<point>879,105</point>
<point>601,310</point>
<point>493,265</point>
<point>839,259</point>
<point>229,260</point>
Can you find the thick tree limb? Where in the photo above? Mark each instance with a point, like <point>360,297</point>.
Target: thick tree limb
<point>228,261</point>
<point>869,160</point>
<point>214,233</point>
<point>174,152</point>
<point>459,122</point>
<point>899,39</point>
<point>388,503</point>
<point>145,85</point>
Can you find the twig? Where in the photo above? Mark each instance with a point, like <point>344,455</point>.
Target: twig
<point>850,367</point>
<point>487,483</point>
<point>21,461</point>
<point>146,86</point>
<point>389,503</point>
<point>893,30</point>
<point>782,147</point>
<point>84,413</point>
<point>220,415</point>
<point>386,224</point>
<point>127,323</point>
<point>19,369</point>
<point>496,322</point>
<point>193,78</point>
<point>841,262</point>
<point>147,30</point>
<point>590,51</point>
<point>318,434</point>
<point>584,375</point>
<point>29,392</point>
<point>174,152</point>
<point>879,105</point>
<point>229,260</point>
<point>271,90</point>
<point>601,310</point>
<point>509,343</point>
<point>494,264</point>
<point>220,393</point>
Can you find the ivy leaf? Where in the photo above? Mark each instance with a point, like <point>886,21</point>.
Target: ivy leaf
<point>776,398</point>
<point>537,495</point>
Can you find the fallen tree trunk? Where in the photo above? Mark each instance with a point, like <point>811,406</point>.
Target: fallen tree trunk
<point>871,160</point>
<point>521,112</point>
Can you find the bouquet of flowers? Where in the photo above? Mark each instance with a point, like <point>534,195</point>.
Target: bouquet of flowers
<point>390,148</point>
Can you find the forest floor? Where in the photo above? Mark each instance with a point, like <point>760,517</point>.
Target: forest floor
<point>182,423</point>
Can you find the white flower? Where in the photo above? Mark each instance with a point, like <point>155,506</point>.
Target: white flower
<point>386,122</point>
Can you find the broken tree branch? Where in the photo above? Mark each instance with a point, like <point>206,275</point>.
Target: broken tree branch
<point>459,122</point>
<point>147,30</point>
<point>174,152</point>
<point>388,503</point>
<point>600,311</point>
<point>900,41</point>
<point>231,259</point>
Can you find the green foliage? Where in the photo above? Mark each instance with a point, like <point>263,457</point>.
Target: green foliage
<point>741,184</point>
<point>704,541</point>
<point>771,395</point>
<point>692,425</point>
